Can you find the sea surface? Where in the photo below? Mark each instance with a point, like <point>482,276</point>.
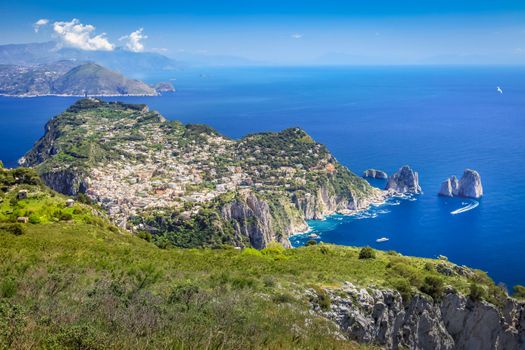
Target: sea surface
<point>439,120</point>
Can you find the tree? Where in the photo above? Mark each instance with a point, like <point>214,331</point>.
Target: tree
<point>367,253</point>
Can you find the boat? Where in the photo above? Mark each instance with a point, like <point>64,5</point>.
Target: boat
<point>382,239</point>
<point>313,236</point>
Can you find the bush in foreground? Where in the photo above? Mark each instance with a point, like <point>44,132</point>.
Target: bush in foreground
<point>367,253</point>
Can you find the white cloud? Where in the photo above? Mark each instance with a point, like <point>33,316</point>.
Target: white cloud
<point>78,35</point>
<point>40,23</point>
<point>297,35</point>
<point>133,40</point>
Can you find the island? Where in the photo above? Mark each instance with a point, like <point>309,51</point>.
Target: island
<point>188,185</point>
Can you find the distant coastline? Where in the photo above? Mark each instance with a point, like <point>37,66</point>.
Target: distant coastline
<point>73,95</point>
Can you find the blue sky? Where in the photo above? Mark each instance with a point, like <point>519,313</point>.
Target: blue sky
<point>289,32</point>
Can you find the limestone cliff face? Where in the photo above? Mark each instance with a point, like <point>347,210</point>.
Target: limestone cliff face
<point>378,316</point>
<point>68,181</point>
<point>253,217</point>
<point>323,202</point>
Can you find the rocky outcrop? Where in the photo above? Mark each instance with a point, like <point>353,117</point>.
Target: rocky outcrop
<point>468,186</point>
<point>404,181</point>
<point>449,187</point>
<point>324,202</point>
<point>164,86</point>
<point>375,174</point>
<point>379,316</point>
<point>252,217</point>
<point>69,182</point>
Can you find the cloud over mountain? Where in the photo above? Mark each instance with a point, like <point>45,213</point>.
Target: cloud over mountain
<point>78,35</point>
<point>40,23</point>
<point>133,40</point>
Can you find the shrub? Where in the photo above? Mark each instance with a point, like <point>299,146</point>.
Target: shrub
<point>477,292</point>
<point>433,286</point>
<point>323,299</point>
<point>519,291</point>
<point>496,295</point>
<point>34,219</point>
<point>367,253</point>
<point>184,294</point>
<point>16,229</point>
<point>145,236</point>
<point>310,242</point>
<point>429,266</point>
<point>83,198</point>
<point>65,216</point>
<point>283,298</point>
<point>7,288</point>
<point>273,248</point>
<point>324,249</point>
<point>404,288</point>
<point>12,323</point>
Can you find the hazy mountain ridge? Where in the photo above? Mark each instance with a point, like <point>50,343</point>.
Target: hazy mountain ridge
<point>68,78</point>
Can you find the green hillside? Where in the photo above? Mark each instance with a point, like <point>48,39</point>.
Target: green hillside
<point>70,279</point>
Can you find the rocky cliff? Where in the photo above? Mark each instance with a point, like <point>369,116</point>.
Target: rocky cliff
<point>375,174</point>
<point>379,316</point>
<point>405,180</point>
<point>468,186</point>
<point>170,179</point>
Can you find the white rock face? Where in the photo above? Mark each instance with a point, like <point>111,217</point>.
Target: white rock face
<point>404,181</point>
<point>449,187</point>
<point>468,186</point>
<point>379,316</point>
<point>375,174</point>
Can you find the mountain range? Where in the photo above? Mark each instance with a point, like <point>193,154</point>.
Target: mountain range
<point>68,77</point>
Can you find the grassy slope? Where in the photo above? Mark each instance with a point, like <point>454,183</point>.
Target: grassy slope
<point>78,282</point>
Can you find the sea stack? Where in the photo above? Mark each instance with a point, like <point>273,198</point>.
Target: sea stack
<point>468,186</point>
<point>449,187</point>
<point>404,181</point>
<point>375,174</point>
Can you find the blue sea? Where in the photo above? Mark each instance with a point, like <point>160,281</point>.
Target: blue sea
<point>439,120</point>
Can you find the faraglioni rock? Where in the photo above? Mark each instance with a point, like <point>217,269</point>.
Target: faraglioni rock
<point>449,187</point>
<point>468,186</point>
<point>375,174</point>
<point>404,181</point>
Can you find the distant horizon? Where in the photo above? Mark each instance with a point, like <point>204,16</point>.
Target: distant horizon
<point>290,33</point>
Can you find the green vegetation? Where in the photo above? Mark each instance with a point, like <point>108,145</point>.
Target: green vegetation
<point>519,292</point>
<point>367,253</point>
<point>477,292</point>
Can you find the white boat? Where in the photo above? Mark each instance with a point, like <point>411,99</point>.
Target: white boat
<point>313,236</point>
<point>382,239</point>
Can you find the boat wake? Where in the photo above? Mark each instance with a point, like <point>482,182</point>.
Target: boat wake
<point>473,204</point>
